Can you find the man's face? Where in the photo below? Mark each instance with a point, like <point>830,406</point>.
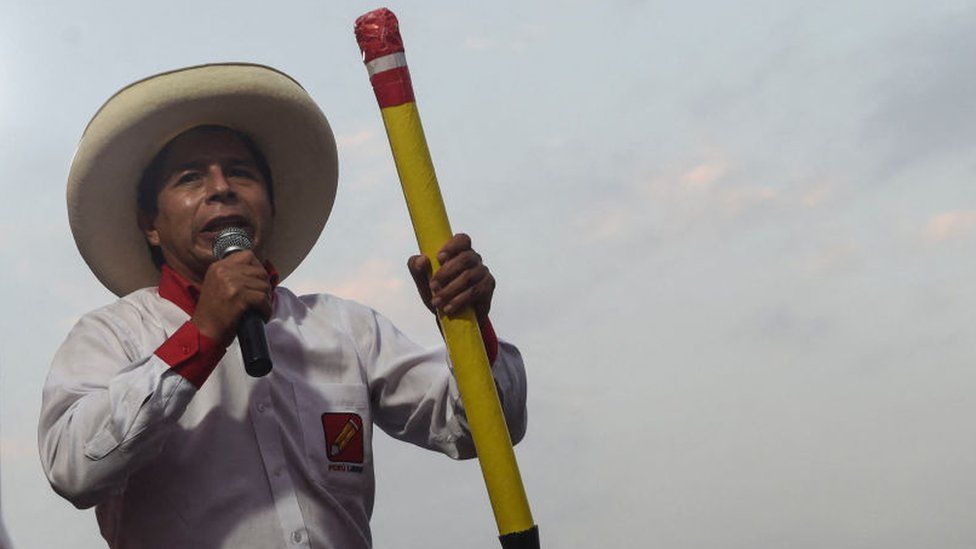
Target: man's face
<point>210,181</point>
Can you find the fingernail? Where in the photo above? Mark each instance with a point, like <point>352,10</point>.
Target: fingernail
<point>436,302</point>
<point>442,257</point>
<point>434,286</point>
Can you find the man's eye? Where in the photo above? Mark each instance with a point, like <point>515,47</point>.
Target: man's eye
<point>188,177</point>
<point>242,172</point>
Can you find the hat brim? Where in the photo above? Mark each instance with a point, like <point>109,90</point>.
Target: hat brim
<point>134,125</point>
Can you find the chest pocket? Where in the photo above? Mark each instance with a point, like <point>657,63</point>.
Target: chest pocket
<point>337,433</point>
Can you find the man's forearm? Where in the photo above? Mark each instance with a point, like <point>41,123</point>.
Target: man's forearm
<point>93,433</point>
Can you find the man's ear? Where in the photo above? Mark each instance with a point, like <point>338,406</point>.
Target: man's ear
<point>147,224</point>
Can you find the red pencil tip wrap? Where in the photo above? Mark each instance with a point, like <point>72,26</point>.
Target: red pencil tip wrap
<point>378,35</point>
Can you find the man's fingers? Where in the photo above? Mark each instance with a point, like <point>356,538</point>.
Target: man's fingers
<point>257,285</point>
<point>454,246</point>
<point>454,267</point>
<point>459,286</point>
<point>234,281</point>
<point>231,286</point>
<point>461,281</point>
<point>419,267</point>
<point>259,301</point>
<point>470,296</point>
<point>243,257</point>
<point>252,272</point>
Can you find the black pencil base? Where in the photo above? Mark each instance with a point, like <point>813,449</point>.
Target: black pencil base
<point>526,539</point>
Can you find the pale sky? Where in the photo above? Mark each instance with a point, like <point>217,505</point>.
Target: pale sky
<point>733,241</point>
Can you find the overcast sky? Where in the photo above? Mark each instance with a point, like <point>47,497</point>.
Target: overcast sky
<point>733,240</point>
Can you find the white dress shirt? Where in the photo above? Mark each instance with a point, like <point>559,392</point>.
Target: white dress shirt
<point>243,462</point>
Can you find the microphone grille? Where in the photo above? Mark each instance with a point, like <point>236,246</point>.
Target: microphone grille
<point>230,240</point>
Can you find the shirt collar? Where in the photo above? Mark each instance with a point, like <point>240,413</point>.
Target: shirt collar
<point>184,294</point>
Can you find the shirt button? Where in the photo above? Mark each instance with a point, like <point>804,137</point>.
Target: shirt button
<point>262,407</point>
<point>296,536</point>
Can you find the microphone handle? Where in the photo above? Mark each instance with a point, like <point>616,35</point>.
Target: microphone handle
<point>254,344</point>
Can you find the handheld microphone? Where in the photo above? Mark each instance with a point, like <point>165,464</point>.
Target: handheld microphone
<point>250,327</point>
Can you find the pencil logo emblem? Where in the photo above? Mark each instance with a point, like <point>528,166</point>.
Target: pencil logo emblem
<point>343,437</point>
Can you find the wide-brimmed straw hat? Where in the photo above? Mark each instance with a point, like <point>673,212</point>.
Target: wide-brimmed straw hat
<point>134,125</point>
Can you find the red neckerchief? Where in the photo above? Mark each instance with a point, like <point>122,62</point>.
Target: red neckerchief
<point>184,294</point>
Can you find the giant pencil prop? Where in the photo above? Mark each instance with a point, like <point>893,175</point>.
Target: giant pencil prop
<point>379,39</point>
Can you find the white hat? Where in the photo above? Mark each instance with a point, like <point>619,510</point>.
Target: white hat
<point>134,125</point>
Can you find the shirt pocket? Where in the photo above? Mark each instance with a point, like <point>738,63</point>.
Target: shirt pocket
<point>337,434</point>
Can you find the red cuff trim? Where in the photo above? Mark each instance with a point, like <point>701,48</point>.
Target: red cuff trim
<point>191,354</point>
<point>490,339</point>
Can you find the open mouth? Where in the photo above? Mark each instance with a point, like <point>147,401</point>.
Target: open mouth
<point>218,224</point>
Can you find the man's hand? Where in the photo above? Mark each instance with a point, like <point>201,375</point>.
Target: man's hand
<point>461,281</point>
<point>231,286</point>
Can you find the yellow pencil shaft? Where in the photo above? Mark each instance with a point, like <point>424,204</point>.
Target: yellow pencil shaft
<point>462,334</point>
<point>348,431</point>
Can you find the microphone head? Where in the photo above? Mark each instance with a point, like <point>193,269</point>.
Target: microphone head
<point>230,240</point>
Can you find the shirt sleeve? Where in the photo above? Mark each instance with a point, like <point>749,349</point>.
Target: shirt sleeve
<point>415,396</point>
<point>108,406</point>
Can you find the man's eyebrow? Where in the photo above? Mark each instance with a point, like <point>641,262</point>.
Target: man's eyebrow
<point>201,164</point>
<point>189,165</point>
<point>242,161</point>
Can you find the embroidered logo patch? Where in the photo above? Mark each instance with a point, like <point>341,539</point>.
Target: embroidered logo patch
<point>343,437</point>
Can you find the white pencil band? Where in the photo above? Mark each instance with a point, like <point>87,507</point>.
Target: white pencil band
<point>385,63</point>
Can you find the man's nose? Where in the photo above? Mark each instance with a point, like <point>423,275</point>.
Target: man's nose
<point>218,187</point>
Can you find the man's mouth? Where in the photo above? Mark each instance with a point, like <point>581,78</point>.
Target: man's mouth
<point>218,224</point>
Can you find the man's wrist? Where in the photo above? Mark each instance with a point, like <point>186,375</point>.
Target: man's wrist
<point>191,353</point>
<point>212,331</point>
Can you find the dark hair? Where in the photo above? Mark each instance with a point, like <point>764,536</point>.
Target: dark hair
<point>150,183</point>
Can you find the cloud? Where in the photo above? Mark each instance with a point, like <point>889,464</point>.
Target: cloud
<point>478,43</point>
<point>703,175</point>
<point>18,450</point>
<point>364,157</point>
<point>950,225</point>
<point>606,221</point>
<point>374,281</point>
<point>925,105</point>
<point>830,259</point>
<point>515,40</point>
<point>817,196</point>
<point>739,200</point>
<point>709,186</point>
<point>355,139</point>
<point>698,195</point>
<point>706,192</point>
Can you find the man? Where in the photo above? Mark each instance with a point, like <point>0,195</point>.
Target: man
<point>147,412</point>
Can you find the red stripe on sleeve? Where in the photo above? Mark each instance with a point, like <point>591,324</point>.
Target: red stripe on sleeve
<point>191,354</point>
<point>490,339</point>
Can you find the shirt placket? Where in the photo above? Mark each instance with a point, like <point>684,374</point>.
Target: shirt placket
<point>264,418</point>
